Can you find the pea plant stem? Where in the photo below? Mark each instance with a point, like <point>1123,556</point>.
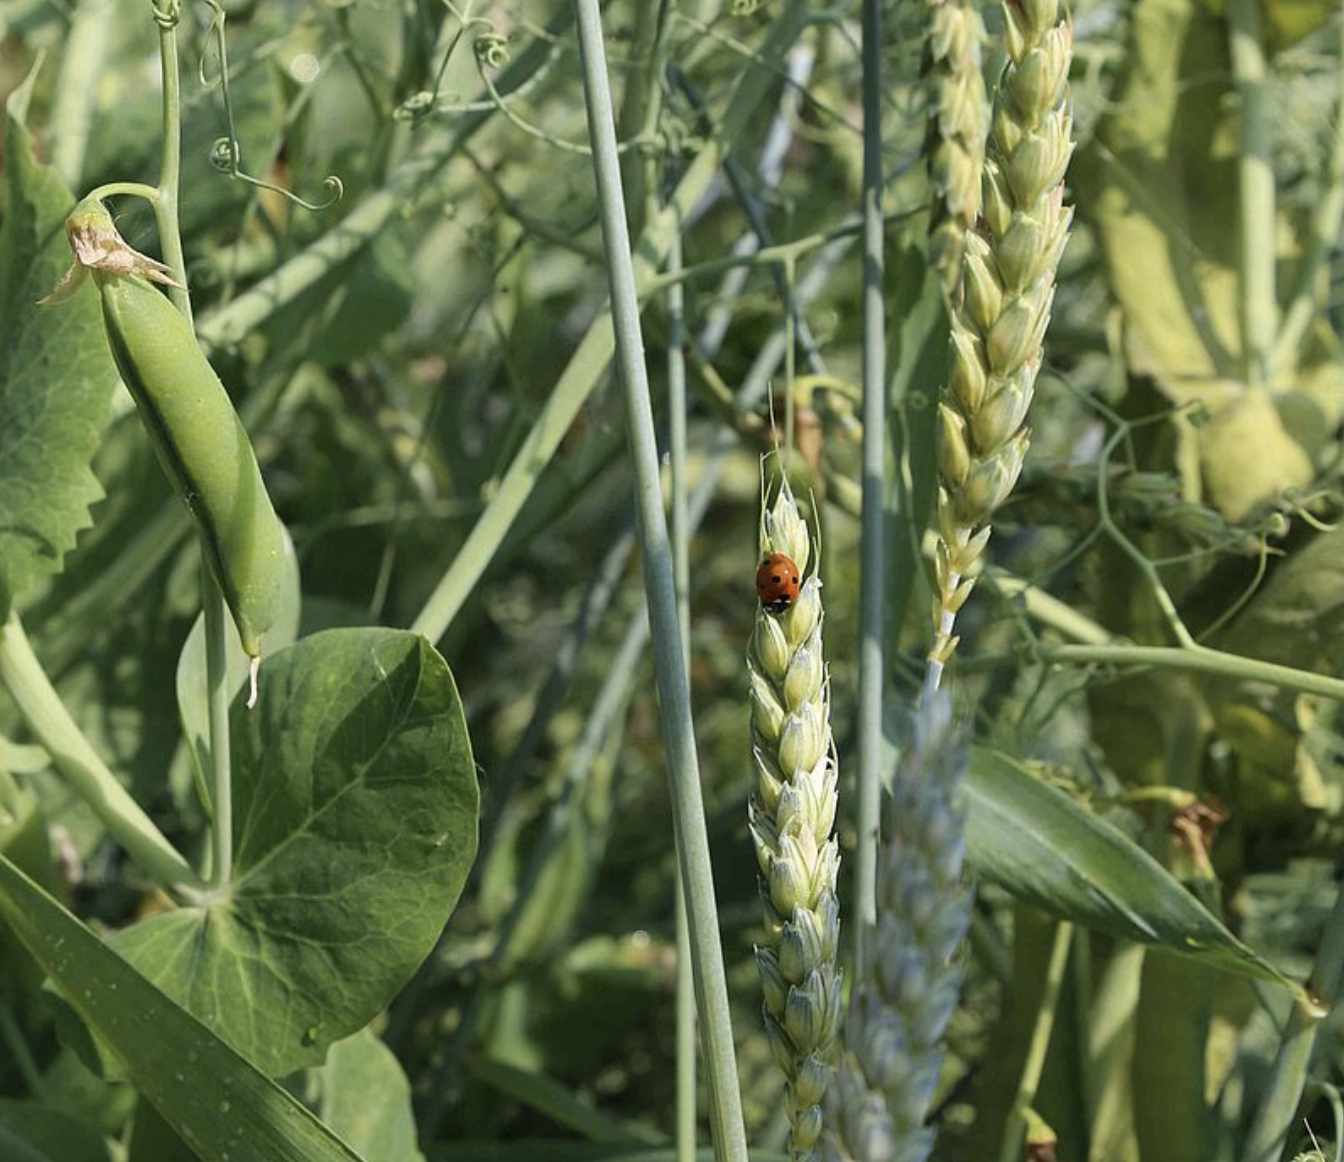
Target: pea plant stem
<point>669,659</point>
<point>79,764</point>
<point>1030,1081</point>
<point>217,695</point>
<point>873,580</point>
<point>1198,659</point>
<point>170,165</point>
<point>1258,304</point>
<point>73,98</point>
<point>1288,1077</point>
<point>216,692</point>
<point>681,539</point>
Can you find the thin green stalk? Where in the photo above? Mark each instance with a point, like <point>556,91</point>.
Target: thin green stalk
<point>216,692</point>
<point>17,758</point>
<point>641,106</point>
<point>873,566</point>
<point>585,368</point>
<point>1048,609</point>
<point>687,1073</point>
<point>79,764</point>
<point>73,98</point>
<point>669,660</point>
<point>170,166</point>
<point>1030,1081</point>
<point>676,399</point>
<point>1308,298</point>
<point>1278,1107</point>
<point>1196,659</point>
<point>1255,166</point>
<point>217,631</point>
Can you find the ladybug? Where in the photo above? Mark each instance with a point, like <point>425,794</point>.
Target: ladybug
<point>778,582</point>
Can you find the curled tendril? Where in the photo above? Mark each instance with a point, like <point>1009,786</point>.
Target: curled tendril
<point>226,153</point>
<point>492,50</point>
<point>225,157</point>
<point>166,13</point>
<point>416,106</point>
<point>745,7</point>
<point>1300,504</point>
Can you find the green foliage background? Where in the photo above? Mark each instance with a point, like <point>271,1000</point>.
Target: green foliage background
<point>389,397</point>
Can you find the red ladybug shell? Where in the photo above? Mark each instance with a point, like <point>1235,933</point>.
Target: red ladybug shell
<point>778,582</point>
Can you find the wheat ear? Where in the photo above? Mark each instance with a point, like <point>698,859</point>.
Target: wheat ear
<point>958,123</point>
<point>1008,286</point>
<point>911,974</point>
<point>792,815</point>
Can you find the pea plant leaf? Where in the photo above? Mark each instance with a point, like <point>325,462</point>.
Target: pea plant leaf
<point>31,1132</point>
<point>224,1108</point>
<point>1045,849</point>
<point>1160,183</point>
<point>56,375</point>
<point>355,811</point>
<point>366,1099</point>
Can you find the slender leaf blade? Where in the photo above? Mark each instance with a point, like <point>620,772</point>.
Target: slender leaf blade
<point>1045,849</point>
<point>225,1109</point>
<point>31,1132</point>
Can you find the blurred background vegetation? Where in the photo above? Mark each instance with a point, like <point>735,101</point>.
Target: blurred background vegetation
<point>388,399</point>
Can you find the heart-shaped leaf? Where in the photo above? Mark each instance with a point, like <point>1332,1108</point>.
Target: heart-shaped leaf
<point>56,376</point>
<point>355,807</point>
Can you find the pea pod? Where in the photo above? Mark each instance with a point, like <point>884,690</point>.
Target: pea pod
<point>196,433</point>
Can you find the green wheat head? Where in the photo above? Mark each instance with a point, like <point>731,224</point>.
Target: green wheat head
<point>792,815</point>
<point>1008,287</point>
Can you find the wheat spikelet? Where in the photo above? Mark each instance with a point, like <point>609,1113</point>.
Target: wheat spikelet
<point>911,975</point>
<point>1008,286</point>
<point>792,814</point>
<point>958,123</point>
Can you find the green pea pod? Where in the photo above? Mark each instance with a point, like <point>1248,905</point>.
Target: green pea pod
<point>192,424</point>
